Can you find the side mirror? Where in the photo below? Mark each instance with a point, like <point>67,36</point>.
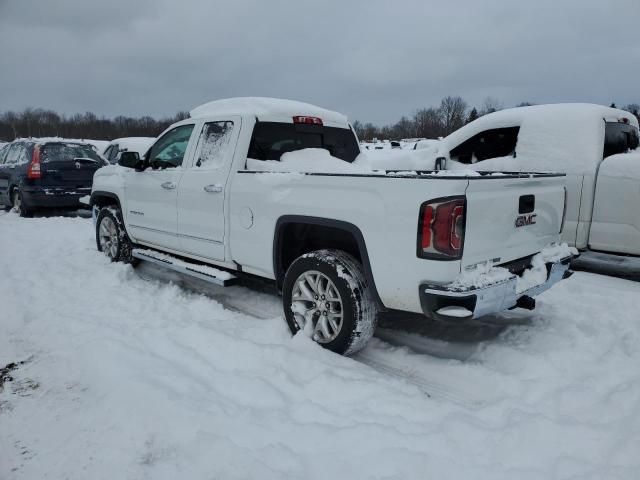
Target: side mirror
<point>129,159</point>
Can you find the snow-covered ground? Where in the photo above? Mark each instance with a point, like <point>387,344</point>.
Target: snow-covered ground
<point>129,375</point>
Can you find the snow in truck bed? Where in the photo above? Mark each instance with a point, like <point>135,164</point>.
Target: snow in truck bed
<point>127,377</point>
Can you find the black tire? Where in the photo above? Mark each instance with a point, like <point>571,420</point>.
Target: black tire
<point>17,203</point>
<point>122,246</point>
<point>358,306</point>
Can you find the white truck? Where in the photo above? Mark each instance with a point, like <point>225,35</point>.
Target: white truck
<point>340,243</point>
<point>592,144</point>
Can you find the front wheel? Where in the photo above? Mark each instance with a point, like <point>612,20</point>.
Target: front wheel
<point>111,237</point>
<point>325,294</point>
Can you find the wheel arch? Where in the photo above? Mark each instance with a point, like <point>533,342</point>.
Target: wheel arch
<point>101,199</point>
<point>296,235</point>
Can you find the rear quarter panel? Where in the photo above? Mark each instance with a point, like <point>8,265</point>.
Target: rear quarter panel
<point>384,209</point>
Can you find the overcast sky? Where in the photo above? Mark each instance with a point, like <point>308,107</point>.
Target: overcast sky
<point>373,60</point>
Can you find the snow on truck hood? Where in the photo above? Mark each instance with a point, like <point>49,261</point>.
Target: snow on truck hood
<point>267,107</point>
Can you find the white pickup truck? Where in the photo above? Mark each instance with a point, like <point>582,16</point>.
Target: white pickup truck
<point>340,244</point>
<point>592,144</point>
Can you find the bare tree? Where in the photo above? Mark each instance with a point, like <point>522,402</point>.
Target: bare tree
<point>453,111</point>
<point>490,105</point>
<point>428,123</point>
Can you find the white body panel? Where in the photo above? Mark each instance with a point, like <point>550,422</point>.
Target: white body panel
<point>151,209</point>
<point>616,213</point>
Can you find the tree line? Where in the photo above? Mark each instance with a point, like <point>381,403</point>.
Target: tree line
<point>431,122</point>
<point>37,122</point>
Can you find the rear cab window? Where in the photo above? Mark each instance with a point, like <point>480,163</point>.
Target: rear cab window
<point>494,143</point>
<point>619,137</point>
<point>270,140</point>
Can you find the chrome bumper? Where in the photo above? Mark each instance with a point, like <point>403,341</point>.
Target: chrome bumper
<point>489,299</point>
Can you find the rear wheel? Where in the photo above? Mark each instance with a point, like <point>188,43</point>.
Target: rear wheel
<point>18,204</point>
<point>111,237</point>
<point>325,294</point>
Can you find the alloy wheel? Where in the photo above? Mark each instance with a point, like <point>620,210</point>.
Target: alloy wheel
<point>316,304</point>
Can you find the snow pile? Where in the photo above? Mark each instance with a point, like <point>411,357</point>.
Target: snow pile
<point>397,159</point>
<point>259,106</point>
<point>481,276</point>
<point>319,160</point>
<point>557,252</point>
<point>308,160</point>
<point>135,378</point>
<point>487,274</point>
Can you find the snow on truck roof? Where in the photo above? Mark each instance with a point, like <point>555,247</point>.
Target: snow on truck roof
<point>265,106</point>
<point>566,137</point>
<point>550,114</point>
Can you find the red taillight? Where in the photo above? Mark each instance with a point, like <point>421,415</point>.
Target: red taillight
<point>427,219</point>
<point>307,120</point>
<point>33,170</point>
<point>442,228</point>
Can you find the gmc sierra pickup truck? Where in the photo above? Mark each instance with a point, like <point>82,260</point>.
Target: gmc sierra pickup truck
<point>340,243</point>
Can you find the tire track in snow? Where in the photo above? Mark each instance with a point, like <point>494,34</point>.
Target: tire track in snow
<point>417,365</point>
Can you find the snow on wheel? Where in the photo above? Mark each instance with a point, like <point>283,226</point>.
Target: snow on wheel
<point>18,204</point>
<point>326,295</point>
<point>111,237</point>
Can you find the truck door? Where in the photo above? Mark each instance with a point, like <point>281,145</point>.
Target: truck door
<point>202,195</point>
<point>151,195</point>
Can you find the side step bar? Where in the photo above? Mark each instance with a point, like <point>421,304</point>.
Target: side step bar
<point>197,270</point>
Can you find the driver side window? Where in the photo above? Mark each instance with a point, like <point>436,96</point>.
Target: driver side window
<point>169,150</point>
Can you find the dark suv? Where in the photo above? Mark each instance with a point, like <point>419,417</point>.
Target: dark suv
<point>46,174</point>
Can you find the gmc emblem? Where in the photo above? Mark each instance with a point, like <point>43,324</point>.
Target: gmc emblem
<point>524,220</point>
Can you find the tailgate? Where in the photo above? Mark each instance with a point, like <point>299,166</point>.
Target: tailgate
<point>511,217</point>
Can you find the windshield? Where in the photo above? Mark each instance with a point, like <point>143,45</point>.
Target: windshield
<point>67,152</point>
<point>271,139</point>
<point>619,138</point>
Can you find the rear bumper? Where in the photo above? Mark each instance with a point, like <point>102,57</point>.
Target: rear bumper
<point>448,303</point>
<point>55,197</point>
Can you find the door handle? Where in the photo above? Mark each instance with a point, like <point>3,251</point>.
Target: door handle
<point>168,185</point>
<point>213,188</point>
